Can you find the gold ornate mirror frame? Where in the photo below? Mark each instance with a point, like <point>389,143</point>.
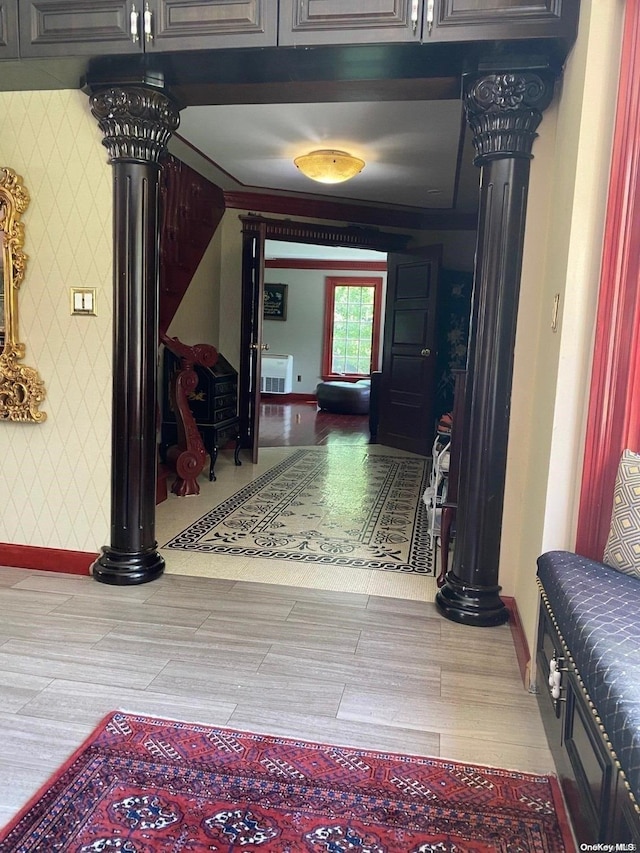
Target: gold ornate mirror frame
<point>21,389</point>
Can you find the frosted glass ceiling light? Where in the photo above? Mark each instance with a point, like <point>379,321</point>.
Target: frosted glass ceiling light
<point>329,166</point>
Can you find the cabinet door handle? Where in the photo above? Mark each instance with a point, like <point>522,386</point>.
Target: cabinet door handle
<point>263,347</point>
<point>134,17</point>
<point>430,15</point>
<point>425,353</point>
<point>414,15</point>
<point>148,32</point>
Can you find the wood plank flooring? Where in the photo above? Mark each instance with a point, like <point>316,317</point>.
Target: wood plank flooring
<point>355,669</point>
<point>286,423</point>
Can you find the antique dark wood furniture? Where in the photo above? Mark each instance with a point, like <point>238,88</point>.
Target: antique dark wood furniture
<point>213,402</point>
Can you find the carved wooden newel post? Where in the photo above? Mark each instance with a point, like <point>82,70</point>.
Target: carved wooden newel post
<point>137,122</point>
<point>503,111</point>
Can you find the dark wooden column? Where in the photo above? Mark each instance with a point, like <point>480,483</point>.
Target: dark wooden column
<point>137,123</point>
<point>503,111</point>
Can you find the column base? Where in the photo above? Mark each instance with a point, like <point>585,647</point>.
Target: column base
<point>471,605</point>
<point>124,568</point>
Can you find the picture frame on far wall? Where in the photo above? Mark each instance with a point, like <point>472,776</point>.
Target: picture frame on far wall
<point>275,301</point>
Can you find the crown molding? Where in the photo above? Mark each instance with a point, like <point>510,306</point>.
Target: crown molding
<point>319,264</point>
<point>414,220</point>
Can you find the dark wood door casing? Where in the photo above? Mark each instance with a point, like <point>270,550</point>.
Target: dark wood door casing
<point>255,230</point>
<point>253,241</point>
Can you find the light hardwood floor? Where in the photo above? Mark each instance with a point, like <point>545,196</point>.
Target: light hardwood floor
<point>351,668</point>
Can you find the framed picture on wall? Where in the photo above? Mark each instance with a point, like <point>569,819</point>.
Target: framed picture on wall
<point>275,301</point>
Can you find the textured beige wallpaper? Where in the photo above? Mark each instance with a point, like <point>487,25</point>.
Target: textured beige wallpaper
<point>55,477</point>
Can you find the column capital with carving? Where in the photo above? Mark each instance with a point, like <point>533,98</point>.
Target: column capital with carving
<point>504,110</point>
<point>137,122</point>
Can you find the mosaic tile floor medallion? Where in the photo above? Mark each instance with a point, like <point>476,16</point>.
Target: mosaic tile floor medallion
<point>344,508</point>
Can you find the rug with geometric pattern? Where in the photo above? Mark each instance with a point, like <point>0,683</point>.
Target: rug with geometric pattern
<point>345,508</point>
<point>146,785</point>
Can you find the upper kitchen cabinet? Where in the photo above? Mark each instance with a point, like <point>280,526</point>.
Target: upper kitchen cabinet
<point>8,30</point>
<point>349,21</point>
<point>489,20</point>
<point>316,22</point>
<point>100,27</point>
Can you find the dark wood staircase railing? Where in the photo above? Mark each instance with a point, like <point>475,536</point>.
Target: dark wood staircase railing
<point>187,458</point>
<point>191,210</point>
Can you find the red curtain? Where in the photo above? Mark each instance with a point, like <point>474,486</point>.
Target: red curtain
<point>614,404</point>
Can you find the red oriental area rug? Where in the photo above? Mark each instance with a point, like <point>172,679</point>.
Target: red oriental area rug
<point>146,785</point>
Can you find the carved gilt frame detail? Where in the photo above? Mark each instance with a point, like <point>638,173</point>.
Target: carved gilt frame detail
<point>21,389</point>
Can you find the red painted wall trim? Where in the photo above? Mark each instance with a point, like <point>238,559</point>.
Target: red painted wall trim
<point>46,559</point>
<point>318,264</point>
<point>614,402</point>
<point>519,638</point>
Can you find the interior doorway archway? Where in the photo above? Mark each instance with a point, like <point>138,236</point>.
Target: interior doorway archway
<point>256,230</point>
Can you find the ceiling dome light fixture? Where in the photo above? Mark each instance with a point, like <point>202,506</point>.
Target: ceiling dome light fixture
<point>329,166</point>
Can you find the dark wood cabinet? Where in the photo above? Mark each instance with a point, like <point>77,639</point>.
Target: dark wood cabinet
<point>591,763</point>
<point>624,824</point>
<point>74,27</point>
<point>479,20</point>
<point>193,25</point>
<point>55,28</point>
<point>9,48</point>
<point>213,404</point>
<point>84,28</point>
<point>598,802</point>
<point>349,21</point>
<point>366,21</point>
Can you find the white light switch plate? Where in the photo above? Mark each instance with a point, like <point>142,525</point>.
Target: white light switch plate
<point>83,300</point>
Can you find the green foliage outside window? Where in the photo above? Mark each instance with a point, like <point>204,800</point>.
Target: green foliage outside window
<point>352,330</point>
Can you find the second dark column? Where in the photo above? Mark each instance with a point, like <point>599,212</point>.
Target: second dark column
<point>503,111</point>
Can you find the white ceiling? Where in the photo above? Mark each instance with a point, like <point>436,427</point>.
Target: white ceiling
<point>410,149</point>
<point>283,249</point>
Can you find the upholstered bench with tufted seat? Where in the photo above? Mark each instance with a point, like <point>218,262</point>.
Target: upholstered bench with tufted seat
<point>344,398</point>
<point>588,664</point>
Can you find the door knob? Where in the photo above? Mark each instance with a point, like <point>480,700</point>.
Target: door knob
<point>425,352</point>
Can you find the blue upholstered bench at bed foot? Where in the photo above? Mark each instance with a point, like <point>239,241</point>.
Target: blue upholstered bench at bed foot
<point>597,611</point>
